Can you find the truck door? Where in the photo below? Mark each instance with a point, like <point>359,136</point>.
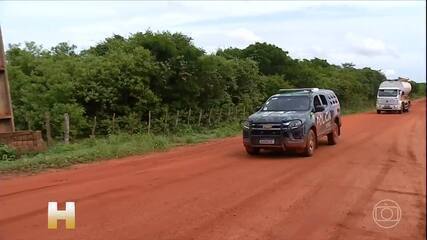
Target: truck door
<point>318,116</point>
<point>327,114</point>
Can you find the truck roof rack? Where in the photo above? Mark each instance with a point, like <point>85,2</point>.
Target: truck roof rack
<point>298,90</point>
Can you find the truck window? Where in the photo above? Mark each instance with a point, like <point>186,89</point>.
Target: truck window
<point>387,92</point>
<point>324,101</point>
<point>287,103</point>
<point>316,101</point>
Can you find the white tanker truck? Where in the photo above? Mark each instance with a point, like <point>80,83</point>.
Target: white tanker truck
<point>393,95</point>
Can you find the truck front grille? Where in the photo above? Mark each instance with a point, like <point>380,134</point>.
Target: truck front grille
<point>266,132</point>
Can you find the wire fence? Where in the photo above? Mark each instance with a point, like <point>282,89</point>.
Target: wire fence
<point>150,122</point>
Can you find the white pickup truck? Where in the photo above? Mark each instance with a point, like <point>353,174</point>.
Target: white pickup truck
<point>393,95</point>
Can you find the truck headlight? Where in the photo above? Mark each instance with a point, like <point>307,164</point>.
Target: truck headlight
<point>293,124</point>
<point>246,124</point>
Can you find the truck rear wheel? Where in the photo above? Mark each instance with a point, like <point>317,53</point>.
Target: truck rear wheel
<point>334,135</point>
<point>252,150</point>
<point>311,144</point>
<point>378,111</point>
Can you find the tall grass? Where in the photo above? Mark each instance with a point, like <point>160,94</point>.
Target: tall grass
<point>113,146</point>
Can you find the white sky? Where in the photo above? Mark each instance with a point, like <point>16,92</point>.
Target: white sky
<point>390,36</point>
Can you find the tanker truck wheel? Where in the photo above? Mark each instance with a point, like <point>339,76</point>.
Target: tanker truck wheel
<point>407,108</point>
<point>402,109</point>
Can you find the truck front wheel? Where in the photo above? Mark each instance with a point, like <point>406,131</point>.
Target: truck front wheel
<point>252,150</point>
<point>311,144</point>
<point>402,109</point>
<point>406,109</point>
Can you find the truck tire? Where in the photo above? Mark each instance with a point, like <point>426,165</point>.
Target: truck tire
<point>252,150</point>
<point>311,144</point>
<point>378,111</point>
<point>402,109</point>
<point>334,135</point>
<point>406,109</point>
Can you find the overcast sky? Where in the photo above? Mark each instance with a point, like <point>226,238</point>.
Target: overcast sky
<point>390,36</point>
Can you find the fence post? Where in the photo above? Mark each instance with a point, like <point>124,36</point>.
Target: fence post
<point>166,120</point>
<point>177,118</point>
<point>200,117</point>
<point>189,116</point>
<point>92,135</point>
<point>66,128</point>
<point>47,127</point>
<point>209,117</point>
<point>228,114</point>
<point>113,130</point>
<point>149,122</point>
<point>244,111</point>
<point>29,123</point>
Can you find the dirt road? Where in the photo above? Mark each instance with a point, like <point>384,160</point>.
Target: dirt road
<point>215,191</point>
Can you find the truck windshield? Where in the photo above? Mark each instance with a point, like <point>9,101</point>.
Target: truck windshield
<point>287,103</point>
<point>387,92</point>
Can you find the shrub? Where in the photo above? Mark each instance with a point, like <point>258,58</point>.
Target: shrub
<point>7,153</point>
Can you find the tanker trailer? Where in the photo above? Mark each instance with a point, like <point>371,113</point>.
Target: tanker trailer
<point>393,95</point>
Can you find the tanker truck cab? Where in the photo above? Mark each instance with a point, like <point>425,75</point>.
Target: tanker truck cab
<point>388,99</point>
<point>393,95</point>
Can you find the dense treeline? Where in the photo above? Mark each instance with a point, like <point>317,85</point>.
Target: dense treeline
<point>162,72</point>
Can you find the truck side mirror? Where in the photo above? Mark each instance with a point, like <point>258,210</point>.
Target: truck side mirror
<point>319,108</point>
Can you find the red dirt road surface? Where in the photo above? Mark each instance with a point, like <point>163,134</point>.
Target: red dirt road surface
<point>215,190</point>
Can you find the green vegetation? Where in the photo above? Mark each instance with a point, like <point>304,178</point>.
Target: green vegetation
<point>418,90</point>
<point>7,153</point>
<point>162,72</point>
<point>123,80</point>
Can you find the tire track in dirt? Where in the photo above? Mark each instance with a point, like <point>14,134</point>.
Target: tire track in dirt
<point>366,196</point>
<point>248,203</point>
<point>421,203</point>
